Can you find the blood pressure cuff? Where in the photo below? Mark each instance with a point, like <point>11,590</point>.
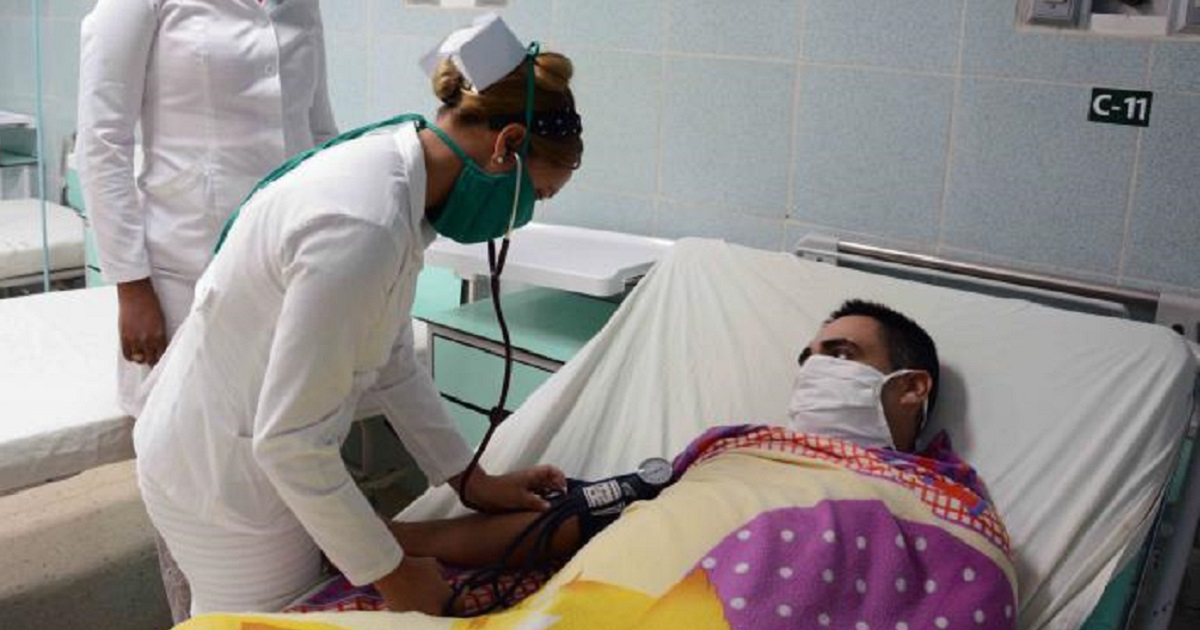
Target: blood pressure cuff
<point>598,503</point>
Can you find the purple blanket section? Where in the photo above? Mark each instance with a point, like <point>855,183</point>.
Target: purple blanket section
<point>852,564</point>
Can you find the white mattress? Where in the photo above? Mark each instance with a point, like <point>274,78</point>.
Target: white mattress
<point>21,237</point>
<point>59,413</point>
<point>58,386</point>
<point>1071,419</point>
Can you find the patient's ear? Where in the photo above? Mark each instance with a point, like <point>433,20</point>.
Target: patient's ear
<point>916,386</point>
<point>903,402</point>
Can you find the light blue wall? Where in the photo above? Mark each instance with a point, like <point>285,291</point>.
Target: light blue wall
<point>940,128</point>
<point>60,58</point>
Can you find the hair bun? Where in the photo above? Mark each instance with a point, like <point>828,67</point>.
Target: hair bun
<point>553,71</point>
<point>448,83</point>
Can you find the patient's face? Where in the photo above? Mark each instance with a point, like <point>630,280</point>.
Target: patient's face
<point>860,338</point>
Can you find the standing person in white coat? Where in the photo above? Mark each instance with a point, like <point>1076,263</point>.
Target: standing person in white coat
<point>304,311</point>
<point>223,91</point>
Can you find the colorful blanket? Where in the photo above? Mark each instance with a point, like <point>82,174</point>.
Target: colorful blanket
<point>337,594</point>
<point>763,529</point>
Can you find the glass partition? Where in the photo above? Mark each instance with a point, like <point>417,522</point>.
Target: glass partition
<point>20,227</point>
<point>42,236</point>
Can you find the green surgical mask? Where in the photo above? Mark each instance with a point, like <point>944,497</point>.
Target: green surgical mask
<point>482,205</point>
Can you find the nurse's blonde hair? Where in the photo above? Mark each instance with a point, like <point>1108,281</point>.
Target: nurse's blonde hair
<point>505,100</point>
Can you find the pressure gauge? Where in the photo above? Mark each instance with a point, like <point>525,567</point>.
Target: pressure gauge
<point>655,471</point>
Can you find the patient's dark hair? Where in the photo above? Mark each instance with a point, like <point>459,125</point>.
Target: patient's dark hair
<point>909,346</point>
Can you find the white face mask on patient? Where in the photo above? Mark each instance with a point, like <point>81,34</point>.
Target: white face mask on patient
<point>839,398</point>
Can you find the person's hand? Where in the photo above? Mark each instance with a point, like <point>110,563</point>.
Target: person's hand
<point>417,585</point>
<point>520,490</point>
<point>141,323</point>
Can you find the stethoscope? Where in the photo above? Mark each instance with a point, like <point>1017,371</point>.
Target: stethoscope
<point>496,259</point>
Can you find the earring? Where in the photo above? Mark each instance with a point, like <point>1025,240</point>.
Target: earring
<point>499,159</point>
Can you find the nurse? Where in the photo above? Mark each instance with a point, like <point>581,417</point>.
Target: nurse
<point>305,311</point>
<point>223,91</point>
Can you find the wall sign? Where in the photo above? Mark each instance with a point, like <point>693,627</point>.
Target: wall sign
<point>1120,107</point>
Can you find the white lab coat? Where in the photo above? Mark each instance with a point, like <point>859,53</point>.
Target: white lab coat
<point>305,309</point>
<point>224,91</point>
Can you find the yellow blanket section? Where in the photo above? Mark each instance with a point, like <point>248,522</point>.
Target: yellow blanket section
<point>642,570</point>
<point>692,603</point>
<point>318,621</point>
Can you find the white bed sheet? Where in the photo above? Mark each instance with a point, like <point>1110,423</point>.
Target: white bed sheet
<point>1071,419</point>
<point>58,386</point>
<point>59,411</point>
<point>21,237</point>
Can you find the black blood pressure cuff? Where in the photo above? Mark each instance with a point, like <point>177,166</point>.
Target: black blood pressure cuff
<point>598,503</point>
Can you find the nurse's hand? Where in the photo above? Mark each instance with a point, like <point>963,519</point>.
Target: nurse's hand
<point>515,491</point>
<point>417,584</point>
<point>141,323</point>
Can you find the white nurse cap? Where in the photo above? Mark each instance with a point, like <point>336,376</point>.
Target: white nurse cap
<point>484,52</point>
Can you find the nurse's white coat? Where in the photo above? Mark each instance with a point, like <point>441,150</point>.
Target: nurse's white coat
<point>305,308</point>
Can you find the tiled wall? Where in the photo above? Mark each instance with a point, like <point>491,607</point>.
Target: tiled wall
<point>937,127</point>
<point>60,62</point>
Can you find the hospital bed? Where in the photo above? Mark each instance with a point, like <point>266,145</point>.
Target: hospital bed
<point>1076,421</point>
<point>21,253</point>
<point>21,244</point>
<point>58,386</point>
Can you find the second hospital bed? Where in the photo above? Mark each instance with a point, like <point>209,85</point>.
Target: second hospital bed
<point>21,251</point>
<point>1075,421</point>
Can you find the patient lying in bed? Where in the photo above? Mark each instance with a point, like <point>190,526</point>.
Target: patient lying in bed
<point>833,521</point>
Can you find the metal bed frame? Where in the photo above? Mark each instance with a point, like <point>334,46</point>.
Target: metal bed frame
<point>1158,573</point>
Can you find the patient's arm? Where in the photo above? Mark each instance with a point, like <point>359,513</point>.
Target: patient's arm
<point>478,540</point>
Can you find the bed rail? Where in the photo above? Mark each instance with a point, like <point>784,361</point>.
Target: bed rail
<point>1178,312</point>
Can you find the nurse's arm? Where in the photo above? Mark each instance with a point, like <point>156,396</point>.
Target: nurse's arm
<point>408,397</point>
<point>337,272</point>
<point>405,392</point>
<point>115,43</point>
<point>320,116</point>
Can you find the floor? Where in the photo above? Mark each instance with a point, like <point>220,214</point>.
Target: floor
<point>79,554</point>
<point>1187,607</point>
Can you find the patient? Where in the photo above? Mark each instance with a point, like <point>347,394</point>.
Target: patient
<point>869,377</point>
<point>863,512</point>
